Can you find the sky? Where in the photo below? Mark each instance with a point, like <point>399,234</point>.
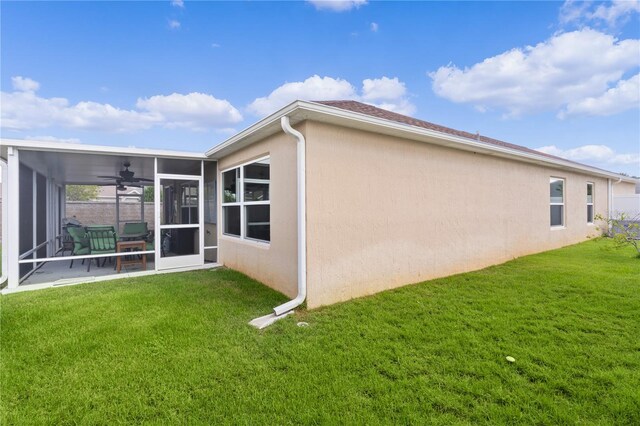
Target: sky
<point>561,77</point>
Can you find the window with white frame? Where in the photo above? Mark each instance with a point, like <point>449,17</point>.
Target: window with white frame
<point>246,205</point>
<point>556,201</point>
<point>590,196</point>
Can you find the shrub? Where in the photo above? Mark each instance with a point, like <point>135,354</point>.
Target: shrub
<point>624,230</point>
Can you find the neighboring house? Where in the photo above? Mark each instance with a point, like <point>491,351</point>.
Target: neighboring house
<point>107,193</point>
<point>350,201</point>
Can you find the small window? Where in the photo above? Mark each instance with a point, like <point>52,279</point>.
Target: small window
<point>590,196</point>
<point>230,186</point>
<point>246,203</point>
<point>556,201</point>
<point>231,220</point>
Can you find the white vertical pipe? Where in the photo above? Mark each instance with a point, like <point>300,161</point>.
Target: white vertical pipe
<point>13,217</point>
<point>609,199</point>
<point>48,215</point>
<point>156,214</point>
<point>5,219</point>
<point>201,212</point>
<point>117,211</point>
<point>34,213</point>
<point>302,219</point>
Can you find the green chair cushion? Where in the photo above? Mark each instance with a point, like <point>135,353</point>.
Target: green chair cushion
<point>134,228</point>
<point>82,251</point>
<point>102,239</point>
<point>79,237</point>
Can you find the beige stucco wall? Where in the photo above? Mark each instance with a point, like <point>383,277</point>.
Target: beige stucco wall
<point>385,212</point>
<point>274,264</point>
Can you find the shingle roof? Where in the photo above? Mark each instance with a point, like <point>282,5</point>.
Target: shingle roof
<point>373,111</point>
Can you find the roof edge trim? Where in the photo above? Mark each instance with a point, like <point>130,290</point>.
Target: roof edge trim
<point>316,110</point>
<point>98,149</point>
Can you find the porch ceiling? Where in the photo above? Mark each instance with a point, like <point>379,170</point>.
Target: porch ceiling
<point>84,168</point>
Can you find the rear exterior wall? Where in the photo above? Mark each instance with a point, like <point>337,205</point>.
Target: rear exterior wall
<point>384,212</point>
<point>274,264</point>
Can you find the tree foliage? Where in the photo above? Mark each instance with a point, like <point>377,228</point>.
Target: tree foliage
<point>624,230</point>
<point>82,192</point>
<point>148,193</point>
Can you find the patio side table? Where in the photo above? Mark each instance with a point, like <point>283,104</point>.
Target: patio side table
<point>124,246</point>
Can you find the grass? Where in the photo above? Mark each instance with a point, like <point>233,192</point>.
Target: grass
<point>177,348</point>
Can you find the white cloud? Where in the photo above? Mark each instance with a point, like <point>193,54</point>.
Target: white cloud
<point>196,111</point>
<point>174,25</point>
<point>314,88</point>
<point>382,88</point>
<point>573,10</point>
<point>215,45</point>
<point>337,5</point>
<point>598,154</point>
<point>387,93</point>
<point>22,84</point>
<point>611,13</point>
<point>22,110</point>
<point>625,96</point>
<point>401,106</point>
<point>374,27</point>
<point>565,69</point>
<point>177,3</point>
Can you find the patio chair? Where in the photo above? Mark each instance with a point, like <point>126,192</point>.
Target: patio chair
<point>102,240</point>
<point>135,229</point>
<point>80,242</point>
<point>138,228</point>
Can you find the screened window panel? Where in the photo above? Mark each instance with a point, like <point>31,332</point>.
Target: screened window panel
<point>556,190</point>
<point>256,191</point>
<point>258,222</point>
<point>230,186</point>
<point>231,220</point>
<point>557,215</point>
<point>259,170</point>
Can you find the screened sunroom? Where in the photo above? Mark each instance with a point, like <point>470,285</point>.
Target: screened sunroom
<point>150,211</point>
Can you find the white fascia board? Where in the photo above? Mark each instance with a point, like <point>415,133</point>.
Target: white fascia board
<point>36,145</point>
<point>258,129</point>
<point>321,113</point>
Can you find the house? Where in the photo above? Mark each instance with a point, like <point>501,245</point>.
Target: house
<point>126,195</point>
<point>323,201</point>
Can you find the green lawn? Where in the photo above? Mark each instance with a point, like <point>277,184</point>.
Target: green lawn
<point>177,348</point>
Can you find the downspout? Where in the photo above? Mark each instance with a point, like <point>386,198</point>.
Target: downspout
<point>302,220</point>
<point>287,308</point>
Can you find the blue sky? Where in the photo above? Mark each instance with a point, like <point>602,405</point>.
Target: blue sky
<point>561,77</point>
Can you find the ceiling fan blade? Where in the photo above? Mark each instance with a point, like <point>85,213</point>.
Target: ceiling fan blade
<point>109,177</point>
<point>135,179</point>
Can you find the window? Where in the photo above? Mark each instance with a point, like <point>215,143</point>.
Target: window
<point>246,205</point>
<point>556,201</point>
<point>590,195</point>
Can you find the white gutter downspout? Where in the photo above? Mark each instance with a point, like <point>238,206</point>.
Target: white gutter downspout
<point>287,308</point>
<point>302,220</point>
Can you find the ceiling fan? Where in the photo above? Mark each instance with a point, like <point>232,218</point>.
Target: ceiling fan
<point>126,178</point>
